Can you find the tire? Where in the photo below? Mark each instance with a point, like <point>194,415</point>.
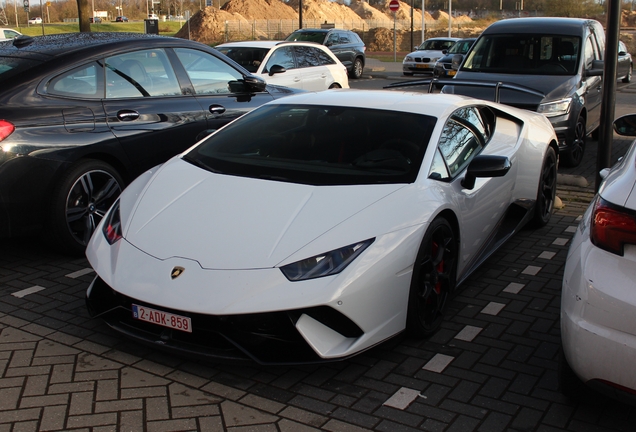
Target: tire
<point>546,193</point>
<point>79,201</point>
<point>433,279</point>
<point>627,78</point>
<point>335,86</point>
<point>574,155</point>
<point>357,69</point>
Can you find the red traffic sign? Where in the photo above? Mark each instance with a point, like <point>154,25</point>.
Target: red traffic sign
<point>394,5</point>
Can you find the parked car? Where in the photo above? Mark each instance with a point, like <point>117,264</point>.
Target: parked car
<point>625,65</point>
<point>562,58</point>
<point>598,307</point>
<point>82,114</point>
<point>121,19</point>
<point>35,20</point>
<point>95,20</point>
<point>277,239</point>
<point>345,44</point>
<point>153,16</point>
<point>8,34</point>
<point>303,65</point>
<point>447,66</point>
<point>423,59</point>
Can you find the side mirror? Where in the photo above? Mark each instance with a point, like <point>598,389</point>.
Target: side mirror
<point>276,69</point>
<point>456,61</point>
<point>255,84</point>
<point>485,166</point>
<point>626,125</point>
<point>444,51</point>
<point>596,69</point>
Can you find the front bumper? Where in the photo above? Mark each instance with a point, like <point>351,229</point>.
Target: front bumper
<point>598,316</point>
<point>419,68</point>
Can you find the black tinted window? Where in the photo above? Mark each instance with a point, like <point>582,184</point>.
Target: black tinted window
<point>320,145</point>
<point>306,57</point>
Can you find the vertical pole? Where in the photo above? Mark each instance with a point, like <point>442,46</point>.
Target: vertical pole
<point>423,22</point>
<point>300,14</point>
<point>450,16</point>
<point>411,23</point>
<point>394,40</point>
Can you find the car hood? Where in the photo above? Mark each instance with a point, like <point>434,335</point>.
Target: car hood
<point>554,87</point>
<point>427,53</point>
<point>229,222</point>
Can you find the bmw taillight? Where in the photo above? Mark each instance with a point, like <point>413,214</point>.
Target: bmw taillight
<point>612,226</point>
<point>6,129</point>
<point>112,224</point>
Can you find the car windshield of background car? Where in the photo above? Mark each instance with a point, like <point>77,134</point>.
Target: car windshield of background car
<point>460,47</point>
<point>317,37</point>
<point>525,54</point>
<point>248,57</point>
<point>319,145</point>
<point>436,45</point>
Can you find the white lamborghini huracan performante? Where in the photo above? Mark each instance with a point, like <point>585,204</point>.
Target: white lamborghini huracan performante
<point>320,225</point>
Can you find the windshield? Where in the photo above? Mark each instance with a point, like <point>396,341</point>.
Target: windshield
<point>461,47</point>
<point>319,145</point>
<point>525,54</point>
<point>436,45</point>
<point>307,36</point>
<point>248,57</point>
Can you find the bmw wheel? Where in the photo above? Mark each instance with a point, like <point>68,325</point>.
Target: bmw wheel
<point>433,279</point>
<point>574,155</point>
<point>547,189</point>
<point>79,202</point>
<point>627,78</point>
<point>357,69</point>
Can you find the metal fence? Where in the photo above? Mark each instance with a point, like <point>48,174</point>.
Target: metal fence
<point>280,29</point>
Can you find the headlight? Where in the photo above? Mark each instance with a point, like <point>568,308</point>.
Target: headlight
<point>553,109</point>
<point>112,224</point>
<point>407,59</point>
<point>327,264</point>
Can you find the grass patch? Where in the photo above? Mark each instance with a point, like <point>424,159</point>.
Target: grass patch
<point>168,28</point>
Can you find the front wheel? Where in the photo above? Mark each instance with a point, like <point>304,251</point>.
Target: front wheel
<point>357,69</point>
<point>547,189</point>
<point>79,202</point>
<point>433,279</point>
<point>574,155</point>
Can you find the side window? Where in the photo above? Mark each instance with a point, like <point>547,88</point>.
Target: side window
<point>323,57</point>
<point>332,39</point>
<point>590,55</point>
<point>208,74</point>
<point>283,56</point>
<point>621,47</point>
<point>464,135</point>
<point>81,82</point>
<point>344,38</point>
<point>140,74</point>
<point>306,57</point>
<point>438,168</point>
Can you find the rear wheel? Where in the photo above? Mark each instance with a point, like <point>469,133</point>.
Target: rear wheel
<point>335,85</point>
<point>433,279</point>
<point>547,189</point>
<point>357,69</point>
<point>627,78</point>
<point>573,156</point>
<point>79,202</point>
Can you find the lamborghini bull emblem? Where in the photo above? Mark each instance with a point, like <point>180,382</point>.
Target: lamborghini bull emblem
<point>176,272</point>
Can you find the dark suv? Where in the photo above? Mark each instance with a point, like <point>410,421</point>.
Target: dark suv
<point>345,44</point>
<point>561,58</point>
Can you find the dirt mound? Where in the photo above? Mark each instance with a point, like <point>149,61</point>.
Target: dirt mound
<point>208,25</point>
<point>261,9</point>
<point>325,10</point>
<point>367,12</point>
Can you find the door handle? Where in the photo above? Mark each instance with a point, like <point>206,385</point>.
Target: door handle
<point>217,109</point>
<point>127,115</point>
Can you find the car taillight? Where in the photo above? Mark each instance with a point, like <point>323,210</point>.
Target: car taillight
<point>612,227</point>
<point>112,224</point>
<point>6,129</point>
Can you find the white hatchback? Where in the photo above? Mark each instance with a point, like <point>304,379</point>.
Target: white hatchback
<point>302,65</point>
<point>598,303</point>
<point>35,20</point>
<point>8,34</point>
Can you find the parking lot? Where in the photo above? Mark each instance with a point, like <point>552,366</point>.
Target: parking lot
<point>492,367</point>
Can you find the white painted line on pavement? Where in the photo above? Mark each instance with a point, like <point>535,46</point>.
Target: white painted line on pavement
<point>438,363</point>
<point>27,291</point>
<point>531,270</point>
<point>571,229</point>
<point>560,241</point>
<point>79,273</point>
<point>468,333</point>
<point>513,288</point>
<point>547,255</point>
<point>402,398</point>
<point>493,308</point>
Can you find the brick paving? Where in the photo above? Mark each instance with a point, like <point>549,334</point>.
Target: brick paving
<point>492,366</point>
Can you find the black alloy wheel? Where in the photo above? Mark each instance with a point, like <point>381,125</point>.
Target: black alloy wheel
<point>433,279</point>
<point>574,155</point>
<point>79,202</point>
<point>546,193</point>
<point>357,69</point>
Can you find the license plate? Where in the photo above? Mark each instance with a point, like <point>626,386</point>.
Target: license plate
<point>422,66</point>
<point>161,318</point>
<point>452,73</point>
